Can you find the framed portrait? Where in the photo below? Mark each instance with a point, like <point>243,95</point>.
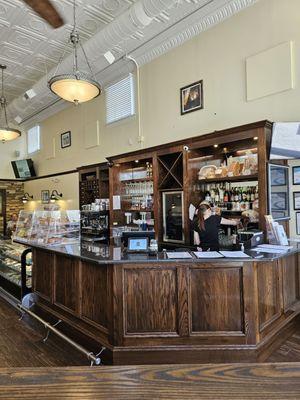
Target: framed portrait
<point>296,175</point>
<point>45,196</point>
<point>65,139</point>
<point>191,97</point>
<point>296,196</point>
<point>298,223</point>
<point>279,201</point>
<point>278,176</point>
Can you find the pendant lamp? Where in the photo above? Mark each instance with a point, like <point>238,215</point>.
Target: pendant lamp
<point>76,86</point>
<point>6,132</point>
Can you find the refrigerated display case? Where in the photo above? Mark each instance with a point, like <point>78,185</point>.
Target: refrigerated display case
<point>15,268</point>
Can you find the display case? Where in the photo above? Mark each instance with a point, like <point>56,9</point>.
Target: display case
<point>49,227</point>
<point>15,268</point>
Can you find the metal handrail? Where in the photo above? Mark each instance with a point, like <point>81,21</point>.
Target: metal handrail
<point>95,359</point>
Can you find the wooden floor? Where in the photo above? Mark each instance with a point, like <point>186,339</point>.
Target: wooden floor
<point>21,344</point>
<point>279,381</point>
<point>63,373</point>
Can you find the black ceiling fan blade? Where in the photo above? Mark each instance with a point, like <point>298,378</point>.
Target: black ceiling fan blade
<point>47,11</point>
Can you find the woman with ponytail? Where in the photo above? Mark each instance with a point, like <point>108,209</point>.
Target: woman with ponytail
<point>206,228</point>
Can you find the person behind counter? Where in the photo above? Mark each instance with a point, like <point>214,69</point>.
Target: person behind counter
<point>206,228</point>
<point>11,225</point>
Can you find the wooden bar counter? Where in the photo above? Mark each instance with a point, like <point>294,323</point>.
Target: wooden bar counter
<point>149,309</point>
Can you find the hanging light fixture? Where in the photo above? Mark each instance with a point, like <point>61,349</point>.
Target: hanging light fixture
<point>6,133</point>
<point>76,86</point>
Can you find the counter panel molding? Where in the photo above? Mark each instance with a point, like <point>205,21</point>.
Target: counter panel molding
<point>155,314</point>
<point>94,285</point>
<point>269,293</point>
<point>43,275</point>
<point>66,279</point>
<point>216,300</point>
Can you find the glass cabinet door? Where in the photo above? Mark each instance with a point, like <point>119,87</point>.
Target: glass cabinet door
<point>173,217</point>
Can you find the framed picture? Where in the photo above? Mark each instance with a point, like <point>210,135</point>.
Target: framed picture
<point>45,196</point>
<point>278,188</point>
<point>278,176</point>
<point>278,214</point>
<point>296,196</point>
<point>191,97</point>
<point>279,201</point>
<point>65,139</point>
<point>296,175</point>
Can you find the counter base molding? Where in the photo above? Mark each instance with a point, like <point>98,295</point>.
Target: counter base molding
<point>170,312</point>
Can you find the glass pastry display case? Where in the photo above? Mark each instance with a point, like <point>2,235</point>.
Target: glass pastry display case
<point>49,227</point>
<point>15,268</point>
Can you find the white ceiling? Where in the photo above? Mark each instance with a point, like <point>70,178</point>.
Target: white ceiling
<point>31,49</point>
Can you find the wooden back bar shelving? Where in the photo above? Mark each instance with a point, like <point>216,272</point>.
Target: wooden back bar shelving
<point>175,169</point>
<point>93,183</point>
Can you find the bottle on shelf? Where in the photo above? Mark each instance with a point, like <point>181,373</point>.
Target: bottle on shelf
<point>207,196</point>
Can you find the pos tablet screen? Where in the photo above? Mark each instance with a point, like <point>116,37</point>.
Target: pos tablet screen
<point>138,244</point>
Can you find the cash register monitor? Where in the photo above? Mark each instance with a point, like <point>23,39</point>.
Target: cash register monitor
<point>137,245</point>
<point>137,235</point>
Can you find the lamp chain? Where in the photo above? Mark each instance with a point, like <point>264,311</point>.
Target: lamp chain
<point>3,99</point>
<point>2,85</point>
<point>74,16</point>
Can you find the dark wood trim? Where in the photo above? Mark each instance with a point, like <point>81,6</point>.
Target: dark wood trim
<point>11,180</point>
<point>73,171</point>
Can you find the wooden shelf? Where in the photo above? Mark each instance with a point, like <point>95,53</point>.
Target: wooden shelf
<point>142,210</point>
<point>137,180</point>
<point>239,178</point>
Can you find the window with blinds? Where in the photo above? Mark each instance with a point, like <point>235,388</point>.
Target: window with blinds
<point>33,139</point>
<point>120,100</point>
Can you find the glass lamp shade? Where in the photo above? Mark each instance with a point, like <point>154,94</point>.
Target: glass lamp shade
<point>7,134</point>
<point>74,88</point>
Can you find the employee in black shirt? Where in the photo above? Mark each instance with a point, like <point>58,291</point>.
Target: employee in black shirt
<point>206,228</point>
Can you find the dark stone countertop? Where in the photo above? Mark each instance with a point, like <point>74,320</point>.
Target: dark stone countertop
<point>105,254</point>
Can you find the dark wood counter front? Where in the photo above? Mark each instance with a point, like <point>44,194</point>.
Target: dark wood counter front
<point>170,312</point>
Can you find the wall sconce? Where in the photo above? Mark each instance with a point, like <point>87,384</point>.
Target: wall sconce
<point>55,196</point>
<point>26,197</point>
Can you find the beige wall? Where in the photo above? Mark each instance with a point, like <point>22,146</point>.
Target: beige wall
<point>218,57</point>
<point>7,154</point>
<point>66,184</point>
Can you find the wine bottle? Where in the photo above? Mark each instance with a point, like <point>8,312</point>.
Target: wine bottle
<point>252,194</point>
<point>207,195</point>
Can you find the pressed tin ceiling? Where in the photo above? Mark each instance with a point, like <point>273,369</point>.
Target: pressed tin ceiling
<point>31,49</point>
